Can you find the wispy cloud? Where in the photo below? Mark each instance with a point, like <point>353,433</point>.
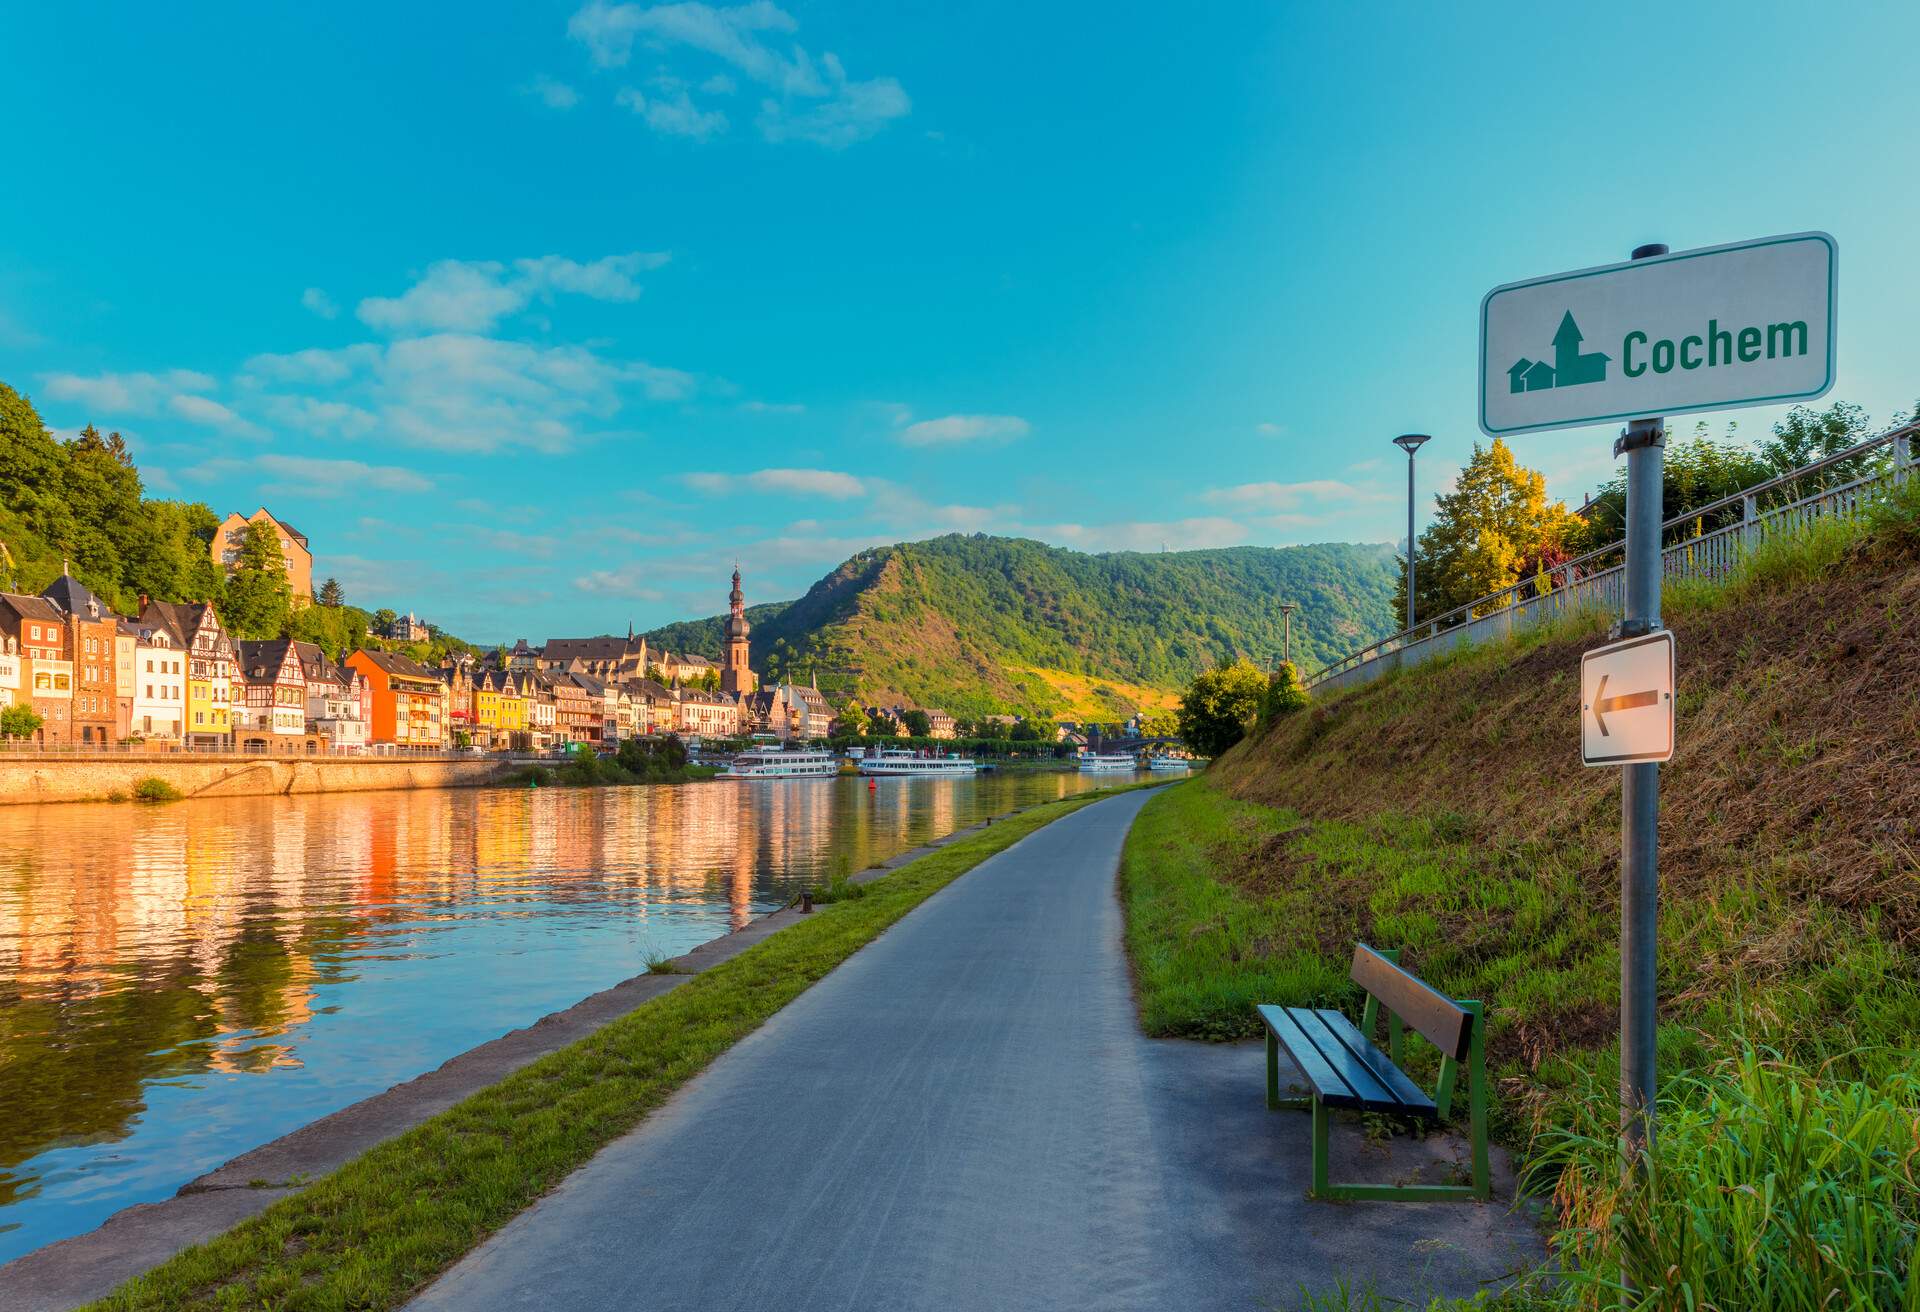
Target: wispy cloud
<point>805,482</point>
<point>475,295</point>
<point>1147,535</point>
<point>673,113</point>
<point>805,99</point>
<point>314,477</point>
<point>964,428</point>
<point>551,92</point>
<point>205,410</point>
<point>1268,428</point>
<point>772,408</point>
<point>317,301</point>
<point>1290,496</point>
<point>129,393</point>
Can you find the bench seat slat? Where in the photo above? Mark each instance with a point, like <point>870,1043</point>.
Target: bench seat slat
<point>1412,1098</point>
<point>1339,1078</point>
<point>1326,1082</point>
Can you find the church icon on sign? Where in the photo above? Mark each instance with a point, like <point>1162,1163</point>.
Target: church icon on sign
<point>1571,366</point>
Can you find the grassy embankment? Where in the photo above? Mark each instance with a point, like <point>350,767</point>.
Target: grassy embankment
<point>1444,811</point>
<point>373,1232</point>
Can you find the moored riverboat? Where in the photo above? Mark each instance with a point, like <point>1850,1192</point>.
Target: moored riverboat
<point>781,763</point>
<point>898,762</point>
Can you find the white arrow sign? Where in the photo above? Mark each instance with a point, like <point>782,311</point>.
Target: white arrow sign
<point>1626,701</point>
<point>1710,329</point>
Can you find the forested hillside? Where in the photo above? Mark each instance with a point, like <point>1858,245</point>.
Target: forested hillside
<point>983,624</point>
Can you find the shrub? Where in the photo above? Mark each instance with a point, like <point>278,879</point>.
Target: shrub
<point>155,789</point>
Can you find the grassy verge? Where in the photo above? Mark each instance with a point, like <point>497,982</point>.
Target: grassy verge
<point>373,1232</point>
<point>1442,811</point>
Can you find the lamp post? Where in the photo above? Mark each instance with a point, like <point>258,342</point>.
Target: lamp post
<point>1410,443</point>
<point>1287,609</point>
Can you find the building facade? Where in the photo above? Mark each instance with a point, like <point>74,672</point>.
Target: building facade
<point>293,546</point>
<point>91,633</point>
<point>408,700</point>
<point>159,709</point>
<point>39,634</point>
<point>271,712</point>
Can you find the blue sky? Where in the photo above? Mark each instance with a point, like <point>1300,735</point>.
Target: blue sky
<point>535,317</point>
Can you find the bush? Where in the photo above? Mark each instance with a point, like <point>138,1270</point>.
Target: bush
<point>1284,693</point>
<point>1220,706</point>
<point>155,789</point>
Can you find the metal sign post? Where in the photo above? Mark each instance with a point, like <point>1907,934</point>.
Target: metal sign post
<point>1644,444</point>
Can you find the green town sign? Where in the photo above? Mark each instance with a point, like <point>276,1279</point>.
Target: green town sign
<point>1711,329</point>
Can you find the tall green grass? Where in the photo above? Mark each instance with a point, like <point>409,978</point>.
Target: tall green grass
<point>1770,1186</point>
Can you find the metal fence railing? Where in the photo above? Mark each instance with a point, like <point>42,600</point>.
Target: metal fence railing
<point>1706,542</point>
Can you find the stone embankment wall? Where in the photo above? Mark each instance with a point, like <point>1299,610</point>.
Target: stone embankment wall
<point>30,779</point>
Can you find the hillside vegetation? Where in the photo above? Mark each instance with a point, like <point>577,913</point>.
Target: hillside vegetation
<point>978,624</point>
<point>1444,811</point>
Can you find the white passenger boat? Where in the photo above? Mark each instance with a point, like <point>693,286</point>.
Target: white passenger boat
<point>1169,765</point>
<point>898,762</point>
<point>781,763</point>
<point>1108,763</point>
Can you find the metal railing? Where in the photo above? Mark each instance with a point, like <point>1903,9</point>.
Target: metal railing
<point>1709,543</point>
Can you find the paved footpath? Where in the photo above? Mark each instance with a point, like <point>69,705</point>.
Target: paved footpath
<point>963,1116</point>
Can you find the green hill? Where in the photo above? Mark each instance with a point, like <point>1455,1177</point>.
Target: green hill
<point>980,624</point>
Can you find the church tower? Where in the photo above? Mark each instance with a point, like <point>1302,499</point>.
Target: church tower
<point>735,676</point>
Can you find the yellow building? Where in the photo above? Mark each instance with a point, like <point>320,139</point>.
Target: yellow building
<point>499,708</point>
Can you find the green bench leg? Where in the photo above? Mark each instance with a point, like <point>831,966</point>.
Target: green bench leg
<point>1321,1189</point>
<point>1273,1074</point>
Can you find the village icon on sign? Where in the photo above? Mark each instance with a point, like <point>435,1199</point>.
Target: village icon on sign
<point>1570,366</point>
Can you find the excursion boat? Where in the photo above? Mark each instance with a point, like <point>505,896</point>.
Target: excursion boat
<point>780,763</point>
<point>1108,763</point>
<point>901,763</point>
<point>1169,764</point>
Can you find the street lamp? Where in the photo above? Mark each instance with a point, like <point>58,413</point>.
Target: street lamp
<point>1410,443</point>
<point>1287,609</point>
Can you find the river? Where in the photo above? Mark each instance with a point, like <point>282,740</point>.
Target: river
<point>179,984</point>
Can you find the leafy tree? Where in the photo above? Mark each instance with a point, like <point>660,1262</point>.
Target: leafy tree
<point>1495,528</point>
<point>919,724</point>
<point>19,722</point>
<point>1027,731</point>
<point>383,619</point>
<point>258,602</point>
<point>1159,724</point>
<point>1220,705</point>
<point>1284,693</point>
<point>33,472</point>
<point>332,594</point>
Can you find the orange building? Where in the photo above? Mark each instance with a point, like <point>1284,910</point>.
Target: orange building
<point>409,701</point>
<point>293,545</point>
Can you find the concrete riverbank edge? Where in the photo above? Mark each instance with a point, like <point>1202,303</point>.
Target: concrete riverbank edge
<point>37,780</point>
<point>76,1271</point>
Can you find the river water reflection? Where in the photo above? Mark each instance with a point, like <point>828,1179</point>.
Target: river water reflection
<point>179,984</point>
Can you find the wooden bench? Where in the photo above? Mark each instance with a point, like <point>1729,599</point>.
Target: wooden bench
<point>1344,1069</point>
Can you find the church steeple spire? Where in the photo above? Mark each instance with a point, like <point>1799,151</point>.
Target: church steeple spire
<point>736,675</point>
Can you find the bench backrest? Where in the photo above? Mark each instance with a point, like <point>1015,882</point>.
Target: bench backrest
<point>1444,1023</point>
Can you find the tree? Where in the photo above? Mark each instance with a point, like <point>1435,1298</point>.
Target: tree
<point>1159,724</point>
<point>919,725</point>
<point>881,724</point>
<point>20,722</point>
<point>332,594</point>
<point>1284,693</point>
<point>1220,705</point>
<point>1027,731</point>
<point>1495,528</point>
<point>258,599</point>
<point>383,620</point>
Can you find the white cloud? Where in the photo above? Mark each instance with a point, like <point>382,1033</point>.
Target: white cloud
<point>474,295</point>
<point>772,408</point>
<point>805,482</point>
<point>316,300</point>
<point>206,410</point>
<point>628,583</point>
<point>457,391</point>
<point>311,476</point>
<point>1269,429</point>
<point>132,393</point>
<point>1147,535</point>
<point>1289,496</point>
<point>808,100</point>
<point>551,92</point>
<point>964,428</point>
<point>673,113</point>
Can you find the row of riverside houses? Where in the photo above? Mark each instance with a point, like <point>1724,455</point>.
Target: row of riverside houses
<point>172,676</point>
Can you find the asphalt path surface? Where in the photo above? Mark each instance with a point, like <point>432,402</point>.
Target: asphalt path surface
<point>965,1115</point>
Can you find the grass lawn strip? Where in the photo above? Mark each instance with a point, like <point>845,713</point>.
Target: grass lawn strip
<point>372,1233</point>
